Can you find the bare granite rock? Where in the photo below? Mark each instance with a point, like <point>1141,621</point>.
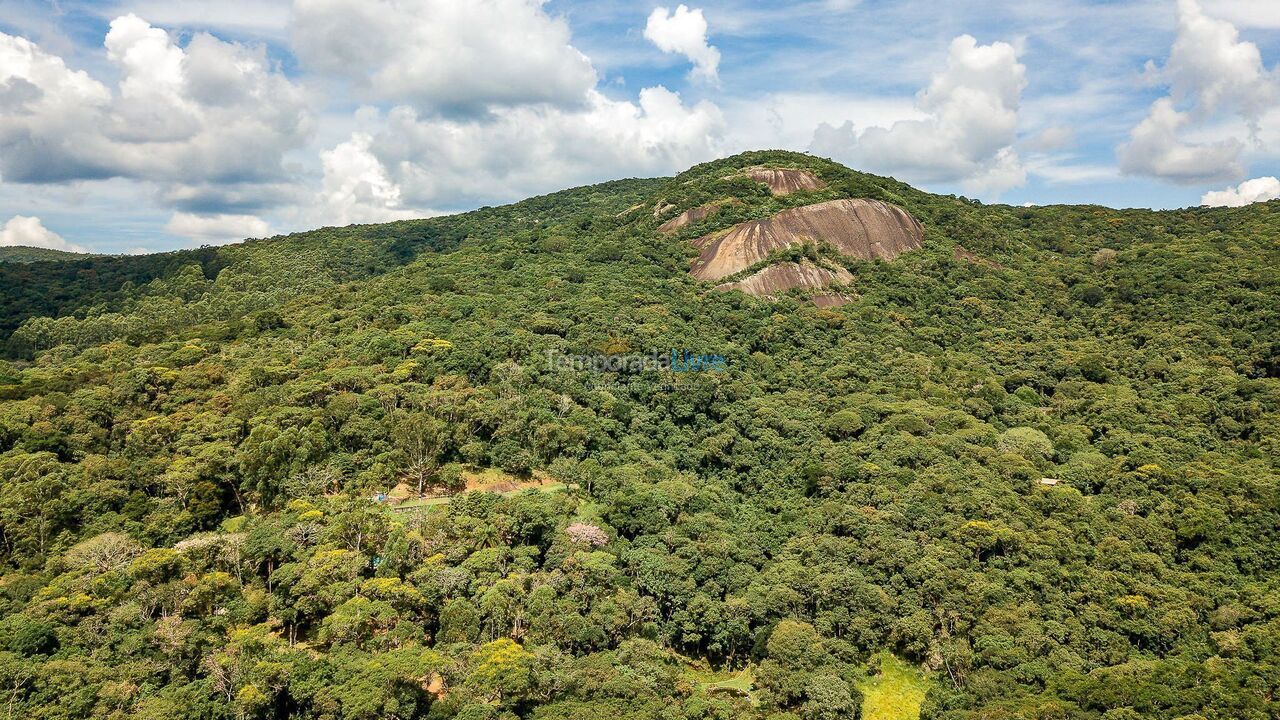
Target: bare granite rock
<point>858,228</point>
<point>780,277</point>
<point>784,181</point>
<point>687,217</point>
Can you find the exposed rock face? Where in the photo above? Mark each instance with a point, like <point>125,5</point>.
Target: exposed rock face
<point>832,299</point>
<point>784,181</point>
<point>781,277</point>
<point>863,229</point>
<point>687,217</point>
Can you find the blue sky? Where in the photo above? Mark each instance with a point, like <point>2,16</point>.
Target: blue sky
<point>144,126</point>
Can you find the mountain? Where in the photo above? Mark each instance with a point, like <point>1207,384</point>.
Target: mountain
<point>957,460</point>
<point>24,254</point>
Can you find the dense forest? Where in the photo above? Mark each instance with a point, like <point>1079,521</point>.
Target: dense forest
<point>24,254</point>
<point>1030,471</point>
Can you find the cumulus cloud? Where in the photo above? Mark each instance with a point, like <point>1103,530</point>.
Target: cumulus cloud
<point>444,162</point>
<point>357,188</point>
<point>525,118</point>
<point>1211,67</point>
<point>684,32</point>
<point>967,134</point>
<point>212,111</point>
<point>30,232</point>
<point>1211,74</point>
<point>1248,13</point>
<point>1250,191</point>
<point>443,55</point>
<point>43,107</point>
<point>1155,149</point>
<point>215,229</point>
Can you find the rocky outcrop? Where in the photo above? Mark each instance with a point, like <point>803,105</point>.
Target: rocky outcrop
<point>688,217</point>
<point>832,299</point>
<point>857,228</point>
<point>784,181</point>
<point>778,278</point>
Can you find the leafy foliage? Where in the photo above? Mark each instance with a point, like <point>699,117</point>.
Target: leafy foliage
<point>190,445</point>
<point>25,254</point>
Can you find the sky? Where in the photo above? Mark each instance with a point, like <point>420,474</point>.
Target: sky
<point>131,126</point>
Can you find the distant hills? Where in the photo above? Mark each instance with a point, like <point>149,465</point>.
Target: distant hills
<point>24,254</point>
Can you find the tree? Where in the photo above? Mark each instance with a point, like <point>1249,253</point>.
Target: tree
<point>501,671</point>
<point>420,439</point>
<point>1028,442</point>
<point>102,553</point>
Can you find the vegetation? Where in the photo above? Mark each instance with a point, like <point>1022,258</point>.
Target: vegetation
<point>24,254</point>
<point>190,444</point>
<point>895,692</point>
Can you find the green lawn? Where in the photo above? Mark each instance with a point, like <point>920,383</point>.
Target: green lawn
<point>741,681</point>
<point>894,694</point>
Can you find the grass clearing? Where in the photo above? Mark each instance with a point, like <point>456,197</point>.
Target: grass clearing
<point>487,480</point>
<point>896,693</point>
<point>740,683</point>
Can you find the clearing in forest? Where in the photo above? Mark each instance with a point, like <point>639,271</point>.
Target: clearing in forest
<point>488,480</point>
<point>729,683</point>
<point>896,693</point>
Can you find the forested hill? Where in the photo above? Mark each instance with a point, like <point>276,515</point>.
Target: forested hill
<point>266,272</point>
<point>25,254</point>
<point>1027,470</point>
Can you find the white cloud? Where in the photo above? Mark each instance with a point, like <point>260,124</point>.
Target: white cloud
<point>214,229</point>
<point>1247,13</point>
<point>357,188</point>
<point>30,232</point>
<point>967,134</point>
<point>465,130</point>
<point>264,18</point>
<point>1250,191</point>
<point>213,111</point>
<point>1155,149</point>
<point>684,32</point>
<point>1211,74</point>
<point>1049,139</point>
<point>786,120</point>
<point>1068,170</point>
<point>43,108</point>
<point>443,55</point>
<point>1212,68</point>
<point>446,162</point>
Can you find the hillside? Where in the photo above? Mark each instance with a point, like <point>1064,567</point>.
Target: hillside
<point>24,254</point>
<point>1025,465</point>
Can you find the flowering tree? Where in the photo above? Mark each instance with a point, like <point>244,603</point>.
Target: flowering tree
<point>581,532</point>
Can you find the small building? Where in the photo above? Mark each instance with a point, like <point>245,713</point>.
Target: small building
<point>1049,482</point>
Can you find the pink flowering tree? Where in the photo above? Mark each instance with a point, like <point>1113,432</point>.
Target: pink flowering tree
<point>587,533</point>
